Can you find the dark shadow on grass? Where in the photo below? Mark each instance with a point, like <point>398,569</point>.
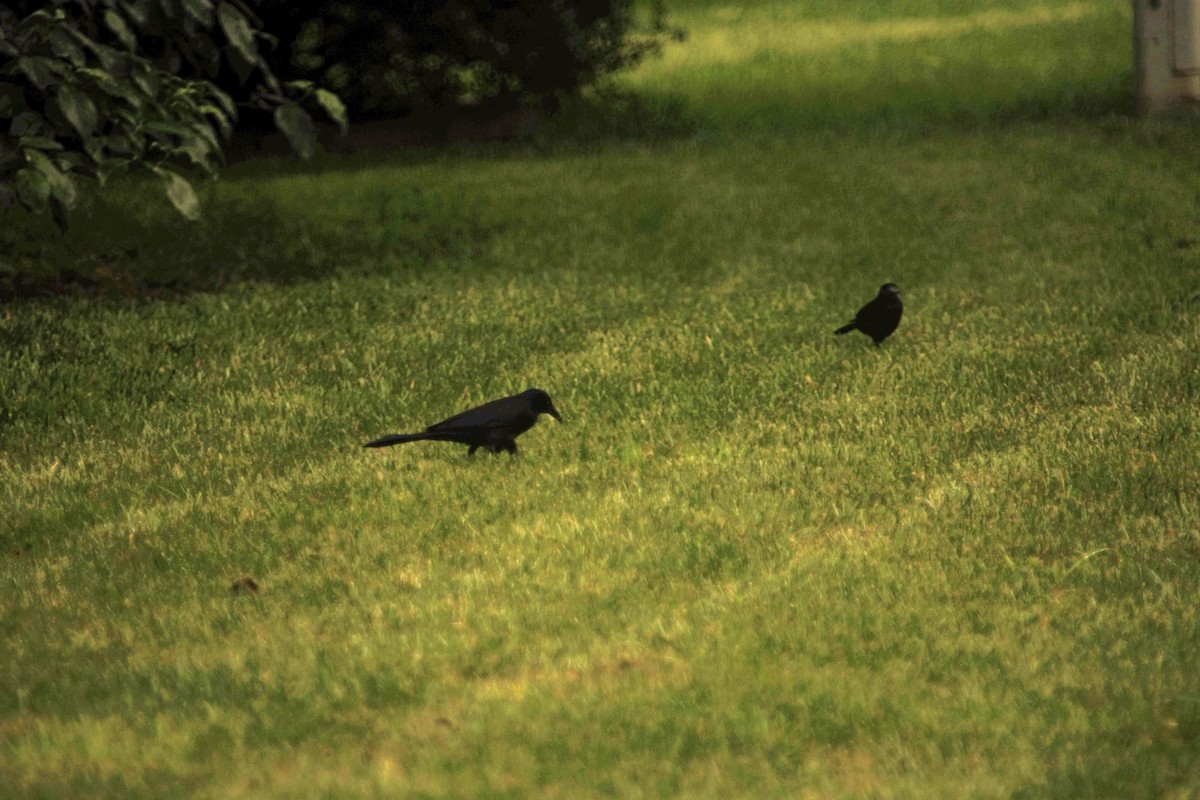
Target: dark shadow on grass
<point>133,246</point>
<point>128,243</point>
<point>602,114</point>
<point>581,126</point>
<point>1068,105</point>
<point>125,242</point>
<point>612,115</point>
<point>820,113</point>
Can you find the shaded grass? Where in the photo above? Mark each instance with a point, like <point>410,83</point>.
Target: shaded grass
<point>755,560</point>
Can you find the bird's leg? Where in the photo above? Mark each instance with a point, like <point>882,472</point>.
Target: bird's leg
<point>500,442</point>
<point>471,450</point>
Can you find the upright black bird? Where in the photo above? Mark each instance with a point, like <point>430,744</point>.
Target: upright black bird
<point>494,425</point>
<point>879,317</point>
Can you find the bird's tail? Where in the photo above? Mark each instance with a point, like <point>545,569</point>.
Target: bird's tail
<point>846,328</point>
<point>397,438</point>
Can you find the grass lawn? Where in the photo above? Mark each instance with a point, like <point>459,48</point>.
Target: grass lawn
<point>755,560</point>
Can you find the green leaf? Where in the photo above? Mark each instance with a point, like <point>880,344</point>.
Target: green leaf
<point>27,123</point>
<point>176,129</point>
<point>94,148</point>
<point>225,101</point>
<point>137,11</point>
<point>60,183</point>
<point>104,82</point>
<point>333,106</point>
<point>78,108</point>
<point>271,82</point>
<point>38,143</point>
<point>199,10</point>
<point>219,116</point>
<point>148,82</point>
<point>39,69</point>
<point>109,167</point>
<point>32,188</point>
<point>65,48</point>
<point>181,195</point>
<point>116,23</point>
<point>70,161</point>
<point>98,76</point>
<point>298,127</point>
<point>205,132</point>
<point>111,59</point>
<point>238,31</point>
<point>123,144</point>
<point>202,154</point>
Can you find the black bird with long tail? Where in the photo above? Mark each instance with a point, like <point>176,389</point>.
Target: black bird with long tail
<point>494,425</point>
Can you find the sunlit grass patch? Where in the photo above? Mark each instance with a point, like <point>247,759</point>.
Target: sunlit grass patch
<point>763,67</point>
<point>740,34</point>
<point>755,559</point>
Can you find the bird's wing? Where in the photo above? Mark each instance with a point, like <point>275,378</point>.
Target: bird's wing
<point>491,414</point>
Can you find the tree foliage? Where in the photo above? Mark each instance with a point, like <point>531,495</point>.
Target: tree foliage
<point>90,88</point>
<point>385,58</point>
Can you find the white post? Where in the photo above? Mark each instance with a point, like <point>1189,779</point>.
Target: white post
<point>1166,37</point>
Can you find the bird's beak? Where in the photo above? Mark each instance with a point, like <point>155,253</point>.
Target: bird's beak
<point>552,411</point>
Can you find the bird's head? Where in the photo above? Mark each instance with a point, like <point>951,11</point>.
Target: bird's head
<point>889,290</point>
<point>541,403</point>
